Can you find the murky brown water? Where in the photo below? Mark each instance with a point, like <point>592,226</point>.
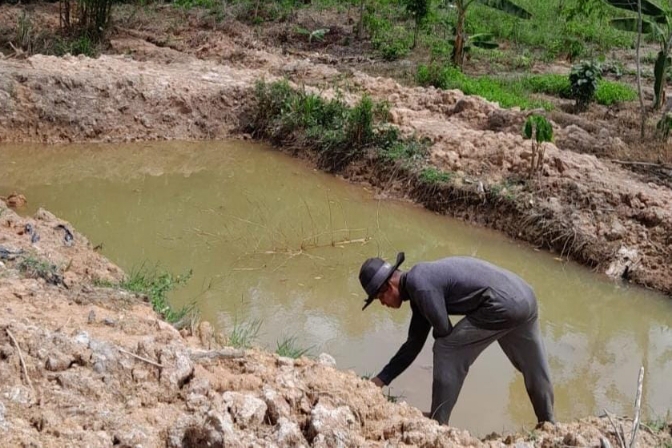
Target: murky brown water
<point>270,239</point>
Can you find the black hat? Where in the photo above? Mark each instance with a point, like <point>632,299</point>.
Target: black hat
<point>375,272</point>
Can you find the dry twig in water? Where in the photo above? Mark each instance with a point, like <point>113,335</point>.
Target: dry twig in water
<point>638,406</point>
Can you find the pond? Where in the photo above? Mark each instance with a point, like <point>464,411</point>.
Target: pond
<point>273,241</point>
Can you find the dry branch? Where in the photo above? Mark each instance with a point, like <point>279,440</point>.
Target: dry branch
<point>619,435</point>
<point>148,361</point>
<point>638,406</point>
<point>225,353</point>
<point>23,363</point>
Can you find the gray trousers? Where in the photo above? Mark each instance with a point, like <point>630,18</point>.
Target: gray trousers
<point>456,352</point>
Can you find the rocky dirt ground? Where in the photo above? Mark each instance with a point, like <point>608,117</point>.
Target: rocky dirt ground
<point>83,365</point>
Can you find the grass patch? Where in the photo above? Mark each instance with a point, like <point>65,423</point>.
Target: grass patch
<point>516,91</point>
<point>433,175</point>
<point>505,92</point>
<point>339,134</point>
<point>156,284</point>
<point>244,333</point>
<point>289,348</point>
<point>34,267</point>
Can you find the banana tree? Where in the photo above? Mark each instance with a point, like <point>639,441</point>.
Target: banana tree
<point>482,40</point>
<point>460,39</point>
<point>658,25</point>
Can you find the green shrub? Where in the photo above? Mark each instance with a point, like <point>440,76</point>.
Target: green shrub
<point>583,79</point>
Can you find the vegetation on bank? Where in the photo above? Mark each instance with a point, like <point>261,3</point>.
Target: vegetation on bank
<point>337,133</point>
<point>518,91</point>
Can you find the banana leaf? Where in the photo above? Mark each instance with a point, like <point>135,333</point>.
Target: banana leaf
<point>648,7</point>
<point>485,44</point>
<point>509,7</point>
<point>630,24</point>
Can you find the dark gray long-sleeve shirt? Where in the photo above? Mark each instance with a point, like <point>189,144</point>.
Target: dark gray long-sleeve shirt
<point>489,296</point>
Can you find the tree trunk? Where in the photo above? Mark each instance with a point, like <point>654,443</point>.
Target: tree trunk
<point>360,25</point>
<point>660,68</point>
<point>458,50</point>
<point>639,69</point>
<point>415,34</point>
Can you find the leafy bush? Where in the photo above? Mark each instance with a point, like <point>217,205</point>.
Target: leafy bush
<point>583,79</point>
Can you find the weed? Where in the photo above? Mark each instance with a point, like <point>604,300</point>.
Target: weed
<point>288,348</point>
<point>433,175</point>
<point>24,29</point>
<point>81,45</point>
<point>244,333</point>
<point>33,267</point>
<point>156,284</point>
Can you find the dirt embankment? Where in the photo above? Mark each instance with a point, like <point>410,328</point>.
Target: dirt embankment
<point>83,365</point>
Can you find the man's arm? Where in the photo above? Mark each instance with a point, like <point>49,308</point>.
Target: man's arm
<point>418,331</point>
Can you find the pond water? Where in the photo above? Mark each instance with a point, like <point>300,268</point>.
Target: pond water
<point>272,240</point>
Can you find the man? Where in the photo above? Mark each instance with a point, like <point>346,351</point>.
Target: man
<point>497,305</point>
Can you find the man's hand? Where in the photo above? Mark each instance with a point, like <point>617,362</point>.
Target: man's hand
<point>377,381</point>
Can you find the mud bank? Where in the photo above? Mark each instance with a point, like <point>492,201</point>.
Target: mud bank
<point>196,81</point>
<point>95,366</point>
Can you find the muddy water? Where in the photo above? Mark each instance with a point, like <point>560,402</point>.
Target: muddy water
<point>272,240</point>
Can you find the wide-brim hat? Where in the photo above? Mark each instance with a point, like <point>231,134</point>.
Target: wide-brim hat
<point>374,273</point>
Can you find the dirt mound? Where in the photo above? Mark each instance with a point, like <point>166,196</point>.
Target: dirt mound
<point>87,365</point>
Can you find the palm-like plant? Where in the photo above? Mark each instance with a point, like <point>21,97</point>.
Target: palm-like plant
<point>659,25</point>
<point>461,39</point>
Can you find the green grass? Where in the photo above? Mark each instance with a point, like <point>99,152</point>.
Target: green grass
<point>289,348</point>
<point>556,26</point>
<point>505,92</point>
<point>433,175</point>
<point>516,91</point>
<point>243,334</point>
<point>156,284</point>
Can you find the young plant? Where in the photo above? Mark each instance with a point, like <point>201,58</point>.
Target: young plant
<point>244,333</point>
<point>419,10</point>
<point>583,79</point>
<point>537,128</point>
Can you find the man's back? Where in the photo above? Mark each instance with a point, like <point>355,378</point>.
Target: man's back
<point>492,297</point>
